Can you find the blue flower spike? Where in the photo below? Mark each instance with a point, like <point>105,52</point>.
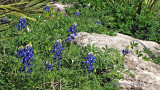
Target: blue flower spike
<point>4,20</point>
<point>48,65</point>
<point>88,5</point>
<point>72,32</point>
<point>26,53</point>
<point>22,23</point>
<point>77,12</point>
<point>20,51</point>
<point>47,8</point>
<point>89,62</point>
<point>126,51</point>
<point>98,21</point>
<point>58,52</point>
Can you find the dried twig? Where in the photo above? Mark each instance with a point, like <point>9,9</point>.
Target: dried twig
<point>53,88</point>
<point>54,84</point>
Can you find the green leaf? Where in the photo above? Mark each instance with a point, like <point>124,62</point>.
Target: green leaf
<point>21,14</point>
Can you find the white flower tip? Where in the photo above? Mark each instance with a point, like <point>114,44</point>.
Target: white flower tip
<point>75,23</point>
<point>29,45</point>
<point>59,40</point>
<point>77,10</point>
<point>21,47</point>
<point>90,53</point>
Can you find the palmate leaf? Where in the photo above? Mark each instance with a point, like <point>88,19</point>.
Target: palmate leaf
<point>34,2</point>
<point>36,6</point>
<point>21,14</point>
<point>20,3</point>
<point>8,8</point>
<point>18,10</point>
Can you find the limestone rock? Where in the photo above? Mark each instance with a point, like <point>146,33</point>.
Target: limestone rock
<point>147,74</point>
<point>59,7</point>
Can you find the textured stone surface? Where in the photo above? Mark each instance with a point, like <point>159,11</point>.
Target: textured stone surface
<point>59,7</point>
<point>147,74</point>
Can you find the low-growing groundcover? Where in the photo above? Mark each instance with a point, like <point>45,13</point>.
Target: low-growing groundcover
<point>18,71</point>
<point>56,58</point>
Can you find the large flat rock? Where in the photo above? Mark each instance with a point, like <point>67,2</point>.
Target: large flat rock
<point>147,74</point>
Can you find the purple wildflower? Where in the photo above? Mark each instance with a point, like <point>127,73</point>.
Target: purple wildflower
<point>22,23</point>
<point>125,52</point>
<point>58,51</point>
<point>77,12</point>
<point>4,20</point>
<point>89,62</point>
<point>27,54</point>
<point>98,21</point>
<point>47,8</point>
<point>72,31</point>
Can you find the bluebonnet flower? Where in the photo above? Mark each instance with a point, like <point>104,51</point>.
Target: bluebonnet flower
<point>4,20</point>
<point>125,51</point>
<point>58,51</point>
<point>98,21</point>
<point>77,12</point>
<point>47,8</point>
<point>22,23</point>
<point>72,31</point>
<point>89,62</point>
<point>20,51</point>
<point>88,5</point>
<point>27,54</point>
<point>48,65</point>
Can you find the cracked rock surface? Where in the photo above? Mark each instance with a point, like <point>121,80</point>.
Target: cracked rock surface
<point>147,74</point>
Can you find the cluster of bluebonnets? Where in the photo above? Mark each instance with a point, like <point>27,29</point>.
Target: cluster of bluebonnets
<point>4,20</point>
<point>48,65</point>
<point>58,52</point>
<point>57,55</point>
<point>125,52</point>
<point>72,32</point>
<point>77,12</point>
<point>47,8</point>
<point>89,62</point>
<point>88,5</point>
<point>98,21</point>
<point>26,53</point>
<point>22,23</point>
